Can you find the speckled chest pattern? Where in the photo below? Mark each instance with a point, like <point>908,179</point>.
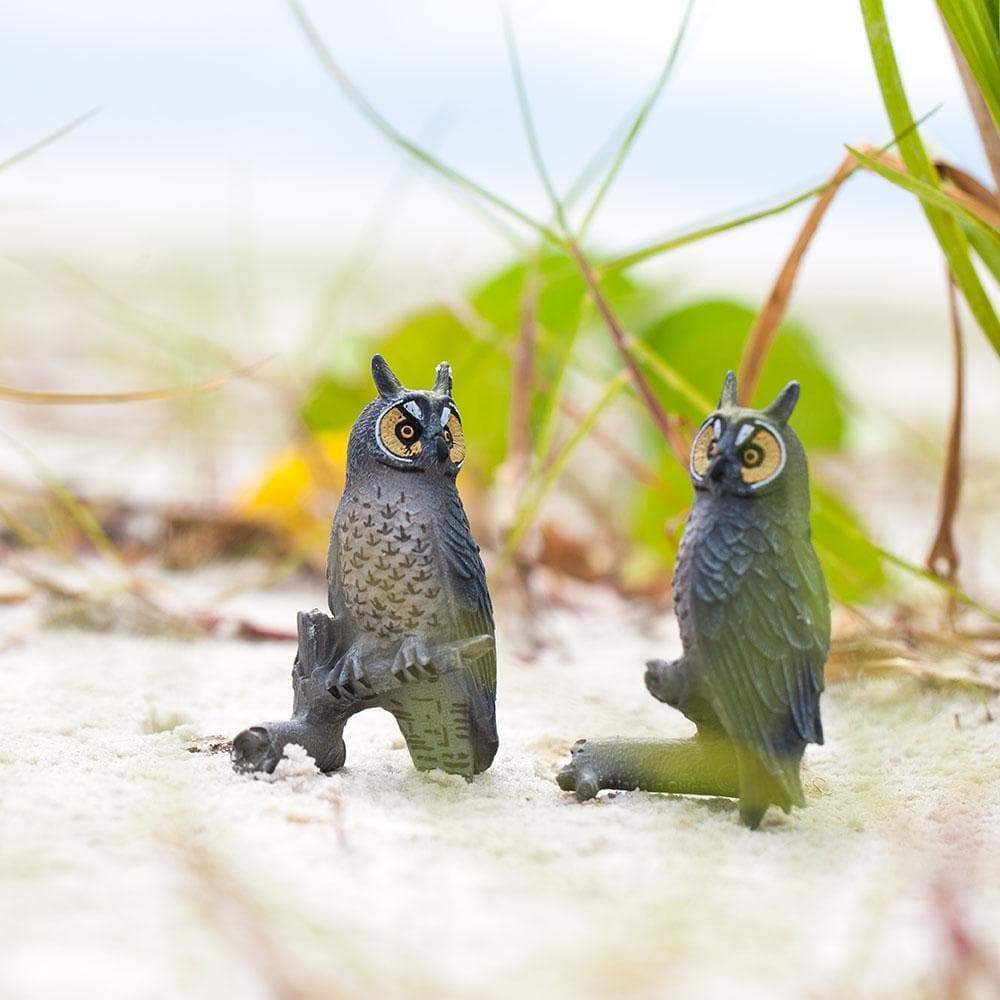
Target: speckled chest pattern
<point>391,582</point>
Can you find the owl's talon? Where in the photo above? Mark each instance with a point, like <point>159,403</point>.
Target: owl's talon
<point>412,660</point>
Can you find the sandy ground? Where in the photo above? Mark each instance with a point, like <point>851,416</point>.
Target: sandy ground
<point>131,866</point>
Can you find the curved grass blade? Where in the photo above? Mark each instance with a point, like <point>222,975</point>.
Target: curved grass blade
<point>530,508</point>
<point>38,398</point>
<point>704,232</point>
<point>637,123</point>
<point>754,215</point>
<point>383,125</point>
<point>52,137</point>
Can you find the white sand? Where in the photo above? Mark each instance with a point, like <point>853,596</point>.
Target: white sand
<point>131,867</point>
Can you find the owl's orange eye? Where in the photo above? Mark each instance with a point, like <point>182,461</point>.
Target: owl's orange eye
<point>399,432</point>
<point>455,437</point>
<point>704,449</point>
<point>762,457</point>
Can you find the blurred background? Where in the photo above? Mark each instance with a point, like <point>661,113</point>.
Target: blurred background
<point>225,206</point>
<point>196,208</point>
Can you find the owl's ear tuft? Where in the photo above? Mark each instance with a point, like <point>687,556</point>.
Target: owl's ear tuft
<point>442,380</point>
<point>781,409</point>
<point>729,394</point>
<point>389,387</point>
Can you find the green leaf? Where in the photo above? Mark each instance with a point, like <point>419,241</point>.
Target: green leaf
<point>482,372</point>
<point>947,232</point>
<point>334,402</point>
<point>561,306</point>
<point>852,562</point>
<point>706,339</point>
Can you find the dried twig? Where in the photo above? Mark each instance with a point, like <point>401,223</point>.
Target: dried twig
<point>765,326</point>
<point>638,469</point>
<point>523,381</point>
<point>942,559</point>
<point>667,424</point>
<point>42,398</point>
<point>959,186</point>
<point>243,921</point>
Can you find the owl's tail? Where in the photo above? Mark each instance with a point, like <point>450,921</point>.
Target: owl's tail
<point>482,725</point>
<point>761,787</point>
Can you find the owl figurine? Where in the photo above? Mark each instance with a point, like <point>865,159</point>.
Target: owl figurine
<point>754,619</point>
<point>411,626</point>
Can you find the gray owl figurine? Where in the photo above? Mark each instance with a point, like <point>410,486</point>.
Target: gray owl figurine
<point>412,624</point>
<point>754,620</point>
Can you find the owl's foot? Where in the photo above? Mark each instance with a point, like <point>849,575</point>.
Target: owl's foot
<point>259,748</point>
<point>582,774</point>
<point>255,750</point>
<point>347,680</point>
<point>413,661</point>
<point>696,766</point>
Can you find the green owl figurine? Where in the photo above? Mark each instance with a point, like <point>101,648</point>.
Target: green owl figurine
<point>754,618</point>
<point>412,623</point>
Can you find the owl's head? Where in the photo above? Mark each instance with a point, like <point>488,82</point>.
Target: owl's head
<point>747,452</point>
<point>413,430</point>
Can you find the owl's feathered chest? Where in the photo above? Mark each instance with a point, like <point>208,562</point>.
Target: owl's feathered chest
<point>731,546</point>
<point>390,576</point>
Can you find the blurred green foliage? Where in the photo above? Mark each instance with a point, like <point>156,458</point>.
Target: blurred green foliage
<point>704,340</point>
<point>700,341</point>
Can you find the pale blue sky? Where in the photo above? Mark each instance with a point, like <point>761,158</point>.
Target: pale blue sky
<point>211,109</point>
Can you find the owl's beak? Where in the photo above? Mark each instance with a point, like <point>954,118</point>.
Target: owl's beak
<point>716,468</point>
<point>441,448</point>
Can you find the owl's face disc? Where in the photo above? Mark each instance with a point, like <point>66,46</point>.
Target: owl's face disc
<point>421,431</point>
<point>737,453</point>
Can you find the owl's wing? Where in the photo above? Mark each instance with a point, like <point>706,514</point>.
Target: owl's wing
<point>762,614</point>
<point>473,608</point>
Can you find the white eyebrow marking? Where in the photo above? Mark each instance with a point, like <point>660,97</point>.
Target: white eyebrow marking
<point>717,428</point>
<point>412,408</point>
<point>445,416</point>
<point>744,432</point>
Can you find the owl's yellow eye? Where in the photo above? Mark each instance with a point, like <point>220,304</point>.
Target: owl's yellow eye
<point>761,457</point>
<point>455,436</point>
<point>399,432</point>
<point>703,450</point>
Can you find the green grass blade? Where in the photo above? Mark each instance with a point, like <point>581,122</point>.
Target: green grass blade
<point>530,508</point>
<point>704,232</point>
<point>528,121</point>
<point>78,511</point>
<point>988,250</point>
<point>927,193</point>
<point>671,377</point>
<point>744,218</point>
<point>47,140</point>
<point>637,123</point>
<point>414,149</point>
<point>949,235</point>
<point>911,568</point>
<point>973,25</point>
